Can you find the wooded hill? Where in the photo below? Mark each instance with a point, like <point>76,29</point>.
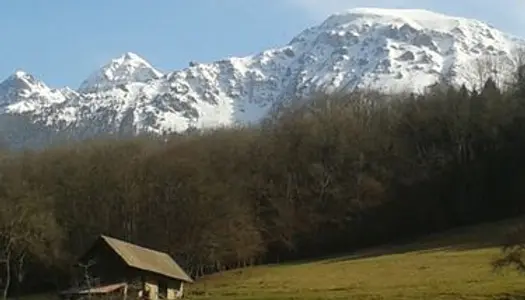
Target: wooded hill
<point>333,175</point>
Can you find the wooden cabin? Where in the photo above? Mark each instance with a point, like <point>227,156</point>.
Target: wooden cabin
<point>126,271</point>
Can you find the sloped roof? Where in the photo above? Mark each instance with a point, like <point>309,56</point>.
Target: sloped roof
<point>147,259</point>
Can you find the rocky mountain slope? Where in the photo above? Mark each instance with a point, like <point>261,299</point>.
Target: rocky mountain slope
<point>382,49</point>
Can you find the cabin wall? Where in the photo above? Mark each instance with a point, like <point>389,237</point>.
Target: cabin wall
<point>171,293</point>
<point>135,288</point>
<point>173,288</point>
<point>152,288</point>
<point>152,283</point>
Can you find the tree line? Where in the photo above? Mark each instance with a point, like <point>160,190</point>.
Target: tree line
<point>322,176</point>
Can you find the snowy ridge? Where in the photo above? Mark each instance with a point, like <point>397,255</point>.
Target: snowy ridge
<point>385,49</point>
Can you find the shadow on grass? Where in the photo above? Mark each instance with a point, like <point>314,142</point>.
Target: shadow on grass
<point>515,296</point>
<point>480,236</point>
<point>488,235</point>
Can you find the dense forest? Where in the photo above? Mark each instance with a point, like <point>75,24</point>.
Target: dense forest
<point>329,175</point>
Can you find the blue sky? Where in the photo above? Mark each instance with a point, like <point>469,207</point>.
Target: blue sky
<point>63,41</point>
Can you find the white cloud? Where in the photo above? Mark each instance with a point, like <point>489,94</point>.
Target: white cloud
<point>322,8</point>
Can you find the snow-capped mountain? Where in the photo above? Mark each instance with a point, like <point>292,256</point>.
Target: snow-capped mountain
<point>386,49</point>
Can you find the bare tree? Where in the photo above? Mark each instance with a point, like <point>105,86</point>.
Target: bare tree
<point>518,56</point>
<point>485,67</point>
<point>513,251</point>
<point>88,281</point>
<point>508,67</point>
<point>26,228</point>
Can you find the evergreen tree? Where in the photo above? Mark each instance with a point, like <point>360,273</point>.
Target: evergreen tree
<point>519,85</point>
<point>464,92</point>
<point>490,89</point>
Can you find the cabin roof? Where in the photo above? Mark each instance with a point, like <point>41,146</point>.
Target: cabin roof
<point>145,259</point>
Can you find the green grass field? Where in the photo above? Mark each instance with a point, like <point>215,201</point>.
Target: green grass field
<point>452,265</point>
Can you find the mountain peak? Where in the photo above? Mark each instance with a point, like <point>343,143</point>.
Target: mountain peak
<point>21,86</point>
<point>126,68</point>
<point>21,81</point>
<point>131,55</point>
<point>20,73</point>
<point>130,58</point>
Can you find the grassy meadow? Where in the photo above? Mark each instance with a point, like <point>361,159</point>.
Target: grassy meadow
<point>451,265</point>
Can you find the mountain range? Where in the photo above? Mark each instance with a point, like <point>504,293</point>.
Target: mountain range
<point>384,49</point>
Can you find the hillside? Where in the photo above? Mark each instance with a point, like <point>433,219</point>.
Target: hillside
<point>452,265</point>
<point>385,49</point>
<point>331,177</point>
